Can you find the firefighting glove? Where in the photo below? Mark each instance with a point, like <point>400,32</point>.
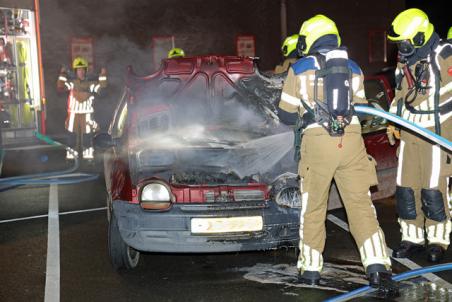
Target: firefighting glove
<point>392,134</point>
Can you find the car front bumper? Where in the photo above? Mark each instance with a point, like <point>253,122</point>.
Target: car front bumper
<point>169,231</point>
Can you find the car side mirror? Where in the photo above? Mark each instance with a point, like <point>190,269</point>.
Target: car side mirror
<point>103,141</point>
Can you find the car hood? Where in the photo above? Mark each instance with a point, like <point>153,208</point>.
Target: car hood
<point>211,161</point>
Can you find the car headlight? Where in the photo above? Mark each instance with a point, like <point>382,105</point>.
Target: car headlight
<point>155,196</point>
<point>155,192</point>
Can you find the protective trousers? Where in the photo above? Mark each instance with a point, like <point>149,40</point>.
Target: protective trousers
<point>80,135</point>
<point>322,160</point>
<point>422,197</point>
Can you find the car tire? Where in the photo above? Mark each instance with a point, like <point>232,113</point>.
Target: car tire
<point>122,256</point>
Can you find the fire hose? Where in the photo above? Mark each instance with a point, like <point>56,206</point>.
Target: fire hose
<point>66,176</point>
<point>405,123</point>
<point>400,277</point>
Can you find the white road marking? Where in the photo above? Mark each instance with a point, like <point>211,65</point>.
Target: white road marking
<point>52,289</point>
<point>45,215</point>
<point>406,262</point>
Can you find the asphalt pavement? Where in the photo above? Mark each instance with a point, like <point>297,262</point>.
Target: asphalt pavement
<point>33,268</point>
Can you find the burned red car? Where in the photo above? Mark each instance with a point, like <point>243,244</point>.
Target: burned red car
<point>197,160</point>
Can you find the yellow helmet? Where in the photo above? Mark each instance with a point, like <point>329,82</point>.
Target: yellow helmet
<point>79,62</point>
<point>411,25</point>
<point>449,33</point>
<point>289,45</point>
<point>314,28</point>
<point>176,53</point>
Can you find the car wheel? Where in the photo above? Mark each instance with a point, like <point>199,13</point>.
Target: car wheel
<point>122,256</point>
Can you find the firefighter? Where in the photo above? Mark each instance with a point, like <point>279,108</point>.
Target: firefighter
<point>332,150</point>
<point>80,119</point>
<point>290,53</point>
<point>176,53</point>
<point>423,96</point>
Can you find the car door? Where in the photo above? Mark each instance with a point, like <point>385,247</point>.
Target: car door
<point>115,158</point>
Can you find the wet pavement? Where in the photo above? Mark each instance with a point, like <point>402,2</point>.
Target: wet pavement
<point>86,274</point>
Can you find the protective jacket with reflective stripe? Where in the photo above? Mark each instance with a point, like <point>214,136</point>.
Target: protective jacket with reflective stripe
<point>442,58</point>
<point>299,84</point>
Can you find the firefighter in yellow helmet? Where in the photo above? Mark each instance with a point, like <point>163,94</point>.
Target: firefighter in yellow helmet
<point>80,121</point>
<point>176,53</point>
<point>423,96</point>
<point>290,53</point>
<point>322,87</point>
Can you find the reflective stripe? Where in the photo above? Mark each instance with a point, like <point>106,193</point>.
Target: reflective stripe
<point>71,153</point>
<point>442,234</point>
<point>88,123</point>
<point>445,89</point>
<point>449,198</point>
<point>62,78</point>
<point>335,97</point>
<point>436,166</point>
<point>411,232</point>
<point>437,51</point>
<point>355,83</point>
<point>96,88</point>
<point>91,87</point>
<point>290,99</point>
<point>377,245</point>
<point>373,251</point>
<point>303,89</point>
<point>336,54</point>
<point>88,153</point>
<point>309,259</point>
<point>383,244</point>
<point>102,78</point>
<point>399,167</point>
<point>68,86</point>
<point>316,62</point>
<point>81,107</point>
<point>304,205</point>
<point>70,126</point>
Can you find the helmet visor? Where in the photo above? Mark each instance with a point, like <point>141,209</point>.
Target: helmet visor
<point>301,45</point>
<point>405,47</point>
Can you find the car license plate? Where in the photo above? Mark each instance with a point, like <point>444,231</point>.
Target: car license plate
<point>226,225</point>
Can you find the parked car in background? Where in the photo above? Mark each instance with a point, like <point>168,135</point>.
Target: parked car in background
<point>196,160</point>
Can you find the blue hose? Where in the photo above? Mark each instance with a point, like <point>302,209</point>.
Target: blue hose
<point>57,177</point>
<point>400,277</point>
<point>405,123</point>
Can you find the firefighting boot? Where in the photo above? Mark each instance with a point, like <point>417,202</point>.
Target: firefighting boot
<point>435,253</point>
<point>380,278</point>
<point>406,249</point>
<point>309,278</point>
